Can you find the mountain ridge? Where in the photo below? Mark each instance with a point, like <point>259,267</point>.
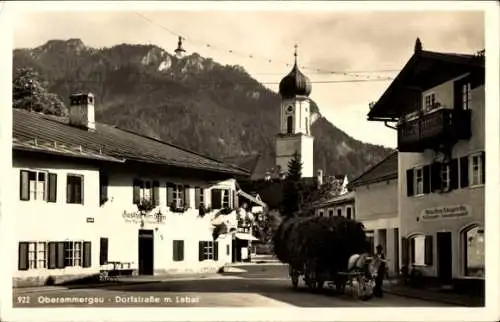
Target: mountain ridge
<point>194,102</point>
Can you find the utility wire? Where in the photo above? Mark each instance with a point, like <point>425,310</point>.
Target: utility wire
<point>317,70</point>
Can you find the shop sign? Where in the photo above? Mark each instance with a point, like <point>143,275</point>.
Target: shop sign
<point>137,217</point>
<point>446,212</point>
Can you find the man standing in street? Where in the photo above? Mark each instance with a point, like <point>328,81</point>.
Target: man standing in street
<point>379,280</point>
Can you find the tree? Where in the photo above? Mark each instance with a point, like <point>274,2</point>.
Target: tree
<point>293,188</point>
<point>29,93</point>
<point>267,224</point>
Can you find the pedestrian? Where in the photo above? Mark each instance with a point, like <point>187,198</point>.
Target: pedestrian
<point>379,280</point>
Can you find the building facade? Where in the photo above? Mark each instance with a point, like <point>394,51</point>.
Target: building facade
<point>376,206</point>
<point>341,205</point>
<point>96,195</point>
<point>437,102</point>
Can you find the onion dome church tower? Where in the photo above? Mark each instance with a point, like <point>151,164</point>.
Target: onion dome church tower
<point>295,123</point>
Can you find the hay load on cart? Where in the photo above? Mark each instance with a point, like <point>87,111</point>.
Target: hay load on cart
<point>319,249</point>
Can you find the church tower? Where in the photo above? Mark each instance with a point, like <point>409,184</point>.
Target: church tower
<point>295,123</point>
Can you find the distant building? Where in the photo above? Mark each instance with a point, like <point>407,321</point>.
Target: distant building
<point>100,195</point>
<point>340,205</point>
<point>437,101</point>
<point>376,206</point>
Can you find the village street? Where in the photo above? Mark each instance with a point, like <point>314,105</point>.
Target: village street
<point>264,285</point>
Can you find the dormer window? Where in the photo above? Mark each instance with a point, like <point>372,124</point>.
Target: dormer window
<point>289,124</point>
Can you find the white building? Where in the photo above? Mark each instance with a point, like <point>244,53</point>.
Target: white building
<point>437,101</point>
<point>376,206</point>
<point>81,185</point>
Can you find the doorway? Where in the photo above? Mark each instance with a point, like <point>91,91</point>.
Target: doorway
<point>146,252</point>
<point>444,264</point>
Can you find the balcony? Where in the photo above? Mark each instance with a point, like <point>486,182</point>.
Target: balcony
<point>438,128</point>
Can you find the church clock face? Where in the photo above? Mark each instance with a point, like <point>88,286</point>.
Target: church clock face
<point>289,109</point>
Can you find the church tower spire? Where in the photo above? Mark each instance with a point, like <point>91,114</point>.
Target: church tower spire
<point>295,120</point>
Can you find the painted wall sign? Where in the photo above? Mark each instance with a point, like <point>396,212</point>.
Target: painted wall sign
<point>90,219</point>
<point>446,212</point>
<point>136,217</point>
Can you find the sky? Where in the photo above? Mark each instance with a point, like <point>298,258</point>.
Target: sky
<point>367,45</point>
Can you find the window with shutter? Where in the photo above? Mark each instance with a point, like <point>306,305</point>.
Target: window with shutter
<point>409,182</point>
<point>187,203</point>
<point>225,198</point>
<point>428,250</point>
<point>60,255</point>
<point>52,196</point>
<point>74,189</point>
<point>23,256</point>
<point>178,250</point>
<point>170,193</point>
<point>476,171</point>
<point>201,250</point>
<point>52,255</point>
<point>197,198</point>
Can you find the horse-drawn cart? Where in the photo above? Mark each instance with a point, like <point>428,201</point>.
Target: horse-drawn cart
<point>359,277</point>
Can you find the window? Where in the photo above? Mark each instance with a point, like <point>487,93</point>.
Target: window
<point>32,255</point>
<point>103,188</point>
<point>225,198</point>
<point>72,253</point>
<point>477,169</point>
<point>178,251</point>
<point>429,101</point>
<point>321,213</point>
<point>148,190</point>
<point>208,250</point>
<point>339,212</point>
<point>466,88</point>
<point>474,252</point>
<point>289,124</point>
<point>419,181</point>
<point>38,185</point>
<point>41,255</point>
<point>445,177</point>
<point>177,195</point>
<point>103,251</point>
<point>330,213</point>
<point>74,189</point>
<point>349,212</point>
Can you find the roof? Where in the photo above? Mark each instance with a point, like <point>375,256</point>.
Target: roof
<point>343,198</point>
<point>251,198</point>
<point>49,134</point>
<point>248,162</point>
<point>424,70</point>
<point>384,170</point>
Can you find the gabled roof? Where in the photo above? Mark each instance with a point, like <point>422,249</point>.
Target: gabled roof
<point>340,199</point>
<point>424,70</point>
<point>48,134</point>
<point>384,170</point>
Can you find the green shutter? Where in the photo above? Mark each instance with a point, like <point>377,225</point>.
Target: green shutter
<point>156,193</point>
<point>136,199</point>
<point>197,197</point>
<point>87,254</point>
<point>170,193</point>
<point>52,188</point>
<point>52,255</point>
<point>216,251</point>
<point>464,172</point>
<point>428,250</point>
<point>24,185</point>
<point>186,197</point>
<point>23,263</point>
<point>409,183</point>
<point>201,248</point>
<point>483,167</point>
<point>60,255</point>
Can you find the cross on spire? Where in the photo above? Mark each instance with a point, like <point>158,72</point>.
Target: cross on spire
<point>295,53</point>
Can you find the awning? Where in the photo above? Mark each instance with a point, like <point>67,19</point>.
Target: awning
<point>245,236</point>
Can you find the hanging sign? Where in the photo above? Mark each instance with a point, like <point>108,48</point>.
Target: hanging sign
<point>137,217</point>
<point>445,212</point>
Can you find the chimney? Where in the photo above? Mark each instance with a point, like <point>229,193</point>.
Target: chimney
<point>320,177</point>
<point>418,46</point>
<point>81,111</point>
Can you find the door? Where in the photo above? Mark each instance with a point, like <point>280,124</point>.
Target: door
<point>146,252</point>
<point>444,249</point>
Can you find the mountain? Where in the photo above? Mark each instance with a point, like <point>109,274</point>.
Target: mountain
<point>193,102</point>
